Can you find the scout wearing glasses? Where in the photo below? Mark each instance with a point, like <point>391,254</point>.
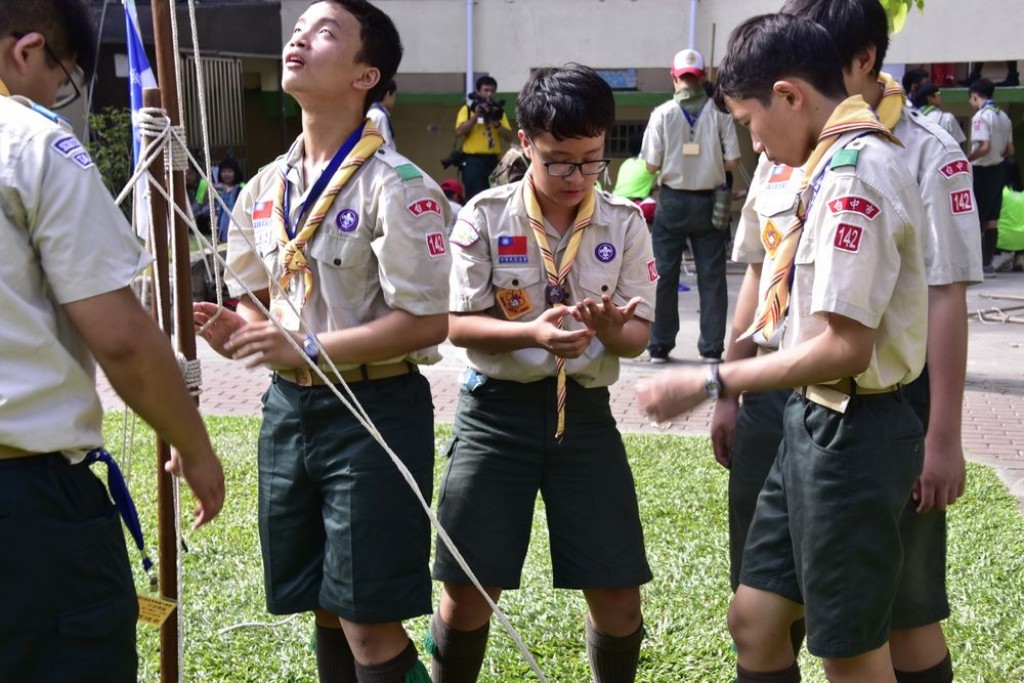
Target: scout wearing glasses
<point>550,287</point>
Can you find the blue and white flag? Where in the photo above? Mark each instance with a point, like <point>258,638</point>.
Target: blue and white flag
<point>140,76</point>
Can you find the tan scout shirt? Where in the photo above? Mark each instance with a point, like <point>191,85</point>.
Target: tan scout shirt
<point>668,131</point>
<point>992,125</point>
<point>61,240</point>
<point>767,215</point>
<point>495,255</point>
<point>952,250</point>
<point>382,246</point>
<point>861,256</point>
<point>947,122</point>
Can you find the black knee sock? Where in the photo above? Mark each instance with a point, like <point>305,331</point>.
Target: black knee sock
<point>797,632</point>
<point>613,660</point>
<point>940,673</point>
<point>456,656</point>
<point>334,661</point>
<point>790,675</point>
<point>989,238</point>
<point>405,668</point>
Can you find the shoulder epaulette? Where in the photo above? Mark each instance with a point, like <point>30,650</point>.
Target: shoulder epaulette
<point>408,171</point>
<point>844,158</point>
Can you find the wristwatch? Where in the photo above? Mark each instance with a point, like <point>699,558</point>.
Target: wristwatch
<point>713,382</point>
<point>310,349</point>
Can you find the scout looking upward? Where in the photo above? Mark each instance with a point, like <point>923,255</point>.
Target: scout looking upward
<point>523,254</point>
<point>354,238</point>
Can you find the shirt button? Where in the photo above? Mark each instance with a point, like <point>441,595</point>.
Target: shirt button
<point>337,261</point>
<point>604,288</point>
<point>515,283</point>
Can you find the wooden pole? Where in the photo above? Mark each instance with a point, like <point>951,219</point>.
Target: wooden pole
<point>167,77</point>
<point>167,549</point>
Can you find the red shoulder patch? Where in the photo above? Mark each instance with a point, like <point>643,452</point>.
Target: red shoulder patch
<point>848,237</point>
<point>424,206</point>
<point>955,167</point>
<point>961,202</point>
<point>652,271</point>
<point>435,244</point>
<point>854,205</point>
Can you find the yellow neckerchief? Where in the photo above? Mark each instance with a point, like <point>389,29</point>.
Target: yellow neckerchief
<point>851,116</point>
<point>894,99</point>
<point>293,256</point>
<point>3,89</point>
<point>557,273</point>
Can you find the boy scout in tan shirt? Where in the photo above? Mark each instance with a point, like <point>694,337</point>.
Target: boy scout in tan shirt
<point>551,283</point>
<point>952,260</point>
<point>825,538</point>
<point>345,242</point>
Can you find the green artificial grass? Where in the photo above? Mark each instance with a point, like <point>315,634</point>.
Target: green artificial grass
<point>682,495</point>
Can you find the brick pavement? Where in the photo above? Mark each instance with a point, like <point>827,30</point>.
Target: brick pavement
<point>993,427</point>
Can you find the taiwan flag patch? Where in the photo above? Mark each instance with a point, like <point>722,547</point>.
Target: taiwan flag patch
<point>780,174</point>
<point>262,211</point>
<point>512,249</point>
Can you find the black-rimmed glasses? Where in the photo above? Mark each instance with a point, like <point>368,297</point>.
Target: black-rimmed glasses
<point>66,95</point>
<point>564,169</point>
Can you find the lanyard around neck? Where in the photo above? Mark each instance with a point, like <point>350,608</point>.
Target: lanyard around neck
<point>321,181</point>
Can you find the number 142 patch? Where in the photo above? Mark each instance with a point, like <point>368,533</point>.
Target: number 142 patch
<point>961,201</point>
<point>848,237</point>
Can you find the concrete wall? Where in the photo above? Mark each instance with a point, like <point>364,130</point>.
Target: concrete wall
<point>512,36</point>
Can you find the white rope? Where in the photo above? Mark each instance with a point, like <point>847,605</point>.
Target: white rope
<point>218,279</point>
<point>259,624</point>
<point>192,371</point>
<point>179,545</point>
<point>336,380</point>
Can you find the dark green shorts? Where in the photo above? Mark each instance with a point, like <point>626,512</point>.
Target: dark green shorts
<point>340,529</point>
<point>757,439</point>
<point>826,528</point>
<point>921,597</point>
<point>69,603</point>
<point>503,452</point>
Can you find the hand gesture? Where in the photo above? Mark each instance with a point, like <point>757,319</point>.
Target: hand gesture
<point>263,343</point>
<point>723,429</point>
<point>943,477</point>
<point>224,325</point>
<point>204,475</point>
<point>563,343</point>
<point>671,393</point>
<point>604,318</point>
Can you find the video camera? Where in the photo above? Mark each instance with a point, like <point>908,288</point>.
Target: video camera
<point>486,108</point>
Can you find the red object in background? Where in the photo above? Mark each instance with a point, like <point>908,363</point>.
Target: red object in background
<point>942,74</point>
<point>648,206</point>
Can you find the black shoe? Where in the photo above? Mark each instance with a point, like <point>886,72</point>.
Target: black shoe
<point>1011,81</point>
<point>657,356</point>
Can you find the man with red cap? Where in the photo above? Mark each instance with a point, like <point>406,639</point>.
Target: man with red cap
<point>692,145</point>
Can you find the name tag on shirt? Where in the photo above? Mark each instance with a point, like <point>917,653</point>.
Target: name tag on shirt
<point>264,238</point>
<point>691,149</point>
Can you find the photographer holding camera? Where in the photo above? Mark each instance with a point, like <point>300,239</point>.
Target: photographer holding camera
<point>482,124</point>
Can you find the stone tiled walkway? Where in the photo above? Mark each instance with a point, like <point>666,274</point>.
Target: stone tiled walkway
<point>993,427</point>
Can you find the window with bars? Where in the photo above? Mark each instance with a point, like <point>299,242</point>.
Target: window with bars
<point>617,139</point>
